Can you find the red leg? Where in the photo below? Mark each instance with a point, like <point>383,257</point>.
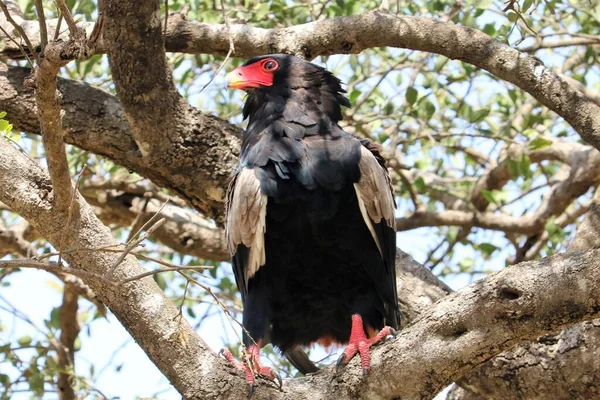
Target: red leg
<point>251,366</point>
<point>359,343</point>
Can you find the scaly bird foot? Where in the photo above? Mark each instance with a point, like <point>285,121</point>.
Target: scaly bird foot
<point>251,367</point>
<point>359,343</point>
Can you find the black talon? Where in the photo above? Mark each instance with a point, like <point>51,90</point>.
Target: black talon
<point>221,353</point>
<point>278,379</point>
<point>365,372</point>
<point>393,332</point>
<point>340,361</point>
<point>250,390</point>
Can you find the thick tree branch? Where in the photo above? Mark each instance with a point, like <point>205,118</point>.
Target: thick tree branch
<point>69,329</point>
<point>94,121</point>
<point>49,113</point>
<point>343,35</point>
<point>12,241</point>
<point>562,365</point>
<point>194,150</point>
<point>460,331</point>
<point>140,305</point>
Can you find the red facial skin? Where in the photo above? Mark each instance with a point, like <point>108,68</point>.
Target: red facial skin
<point>253,76</point>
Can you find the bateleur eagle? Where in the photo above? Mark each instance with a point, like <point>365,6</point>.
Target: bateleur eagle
<point>310,220</point>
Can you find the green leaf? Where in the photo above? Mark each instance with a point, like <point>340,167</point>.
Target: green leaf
<point>539,143</point>
<point>420,185</point>
<point>2,114</point>
<point>513,95</point>
<point>25,340</point>
<point>262,11</point>
<point>160,281</point>
<point>490,29</point>
<point>36,384</point>
<point>354,95</point>
<point>525,167</point>
<point>526,5</point>
<point>490,196</point>
<point>487,248</point>
<point>550,6</point>
<point>466,264</point>
<point>55,318</point>
<point>479,115</point>
<point>411,95</point>
<point>426,108</point>
<point>512,16</point>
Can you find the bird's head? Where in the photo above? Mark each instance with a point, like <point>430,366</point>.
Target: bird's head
<point>281,76</point>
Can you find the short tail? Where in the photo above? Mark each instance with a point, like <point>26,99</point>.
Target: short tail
<point>299,359</point>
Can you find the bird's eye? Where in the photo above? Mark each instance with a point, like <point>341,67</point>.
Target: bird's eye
<point>270,65</point>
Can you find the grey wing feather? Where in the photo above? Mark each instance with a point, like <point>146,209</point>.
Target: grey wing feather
<point>246,209</point>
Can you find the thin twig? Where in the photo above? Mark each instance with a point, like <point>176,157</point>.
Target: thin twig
<point>19,29</point>
<point>185,291</point>
<point>131,246</point>
<point>42,21</point>
<point>57,29</point>
<point>50,267</point>
<point>66,13</point>
<point>166,263</point>
<point>96,33</point>
<point>150,221</point>
<point>7,35</point>
<point>220,304</point>
<point>110,248</point>
<point>54,267</point>
<point>229,53</point>
<point>166,17</point>
<point>137,218</point>
<point>156,271</point>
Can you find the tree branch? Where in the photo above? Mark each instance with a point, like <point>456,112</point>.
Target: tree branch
<point>562,365</point>
<point>343,35</point>
<point>460,331</point>
<point>140,305</point>
<point>69,329</point>
<point>94,121</point>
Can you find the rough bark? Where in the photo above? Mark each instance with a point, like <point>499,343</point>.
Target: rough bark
<point>457,333</point>
<point>94,121</point>
<point>346,35</point>
<point>69,329</point>
<point>184,231</point>
<point>563,365</point>
<point>196,151</point>
<point>141,306</point>
<point>539,81</point>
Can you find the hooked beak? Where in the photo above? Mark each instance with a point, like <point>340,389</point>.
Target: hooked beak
<point>235,79</point>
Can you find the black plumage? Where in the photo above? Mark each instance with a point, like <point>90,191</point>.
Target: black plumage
<point>310,219</point>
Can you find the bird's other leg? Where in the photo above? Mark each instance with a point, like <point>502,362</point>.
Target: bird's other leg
<point>251,366</point>
<point>360,343</point>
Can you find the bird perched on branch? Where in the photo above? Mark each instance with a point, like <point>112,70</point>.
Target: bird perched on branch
<point>310,220</point>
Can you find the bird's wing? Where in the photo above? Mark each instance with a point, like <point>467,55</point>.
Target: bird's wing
<point>377,206</point>
<point>246,210</point>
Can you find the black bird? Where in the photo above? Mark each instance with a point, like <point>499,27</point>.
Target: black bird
<point>310,220</point>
